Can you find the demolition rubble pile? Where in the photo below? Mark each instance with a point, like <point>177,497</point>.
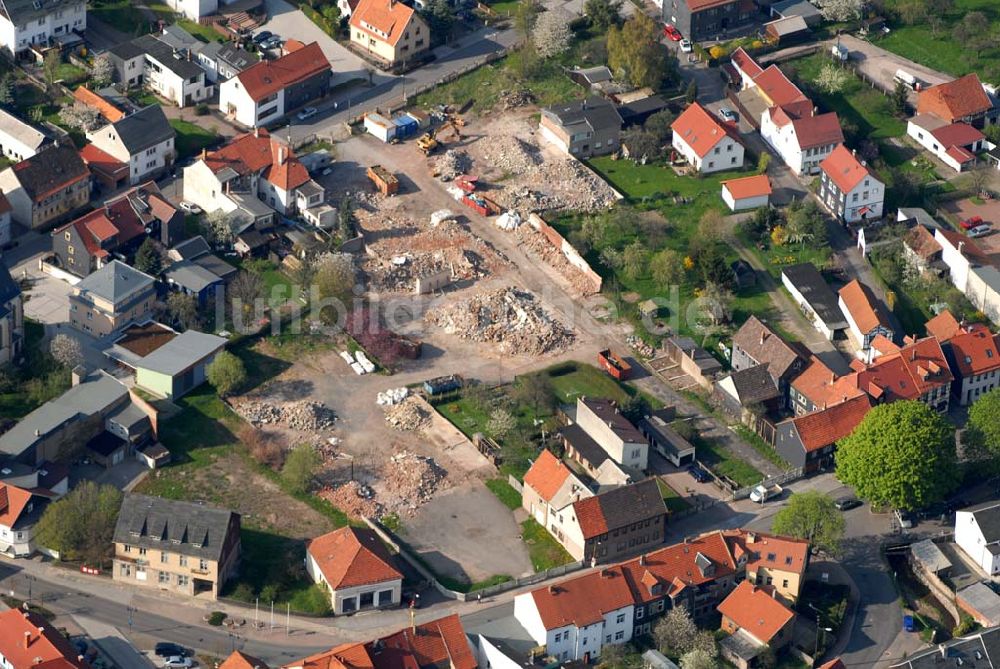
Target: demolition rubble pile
<point>305,416</point>
<point>452,163</point>
<point>536,244</point>
<point>407,416</point>
<point>508,100</point>
<point>392,396</point>
<point>410,480</point>
<point>640,347</point>
<point>508,154</point>
<point>352,498</point>
<point>508,317</point>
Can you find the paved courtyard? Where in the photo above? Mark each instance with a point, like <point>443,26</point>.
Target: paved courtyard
<point>989,211</point>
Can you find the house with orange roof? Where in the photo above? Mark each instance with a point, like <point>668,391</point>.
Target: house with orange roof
<point>808,441</point>
<point>920,248</point>
<point>963,100</point>
<point>104,107</point>
<point>549,487</point>
<point>755,620</point>
<point>917,370</point>
<point>973,352</point>
<point>706,143</point>
<point>848,188</point>
<point>802,137</point>
<point>28,640</point>
<point>356,568</point>
<point>771,560</point>
<point>256,174</point>
<point>818,387</point>
<point>866,317</point>
<point>746,192</point>
<point>271,89</point>
<point>954,144</point>
<point>436,644</point>
<point>20,510</point>
<point>240,660</point>
<point>389,31</point>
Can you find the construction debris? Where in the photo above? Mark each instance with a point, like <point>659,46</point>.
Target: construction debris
<point>537,245</point>
<point>513,99</point>
<point>509,220</point>
<point>639,346</point>
<point>391,397</point>
<point>410,480</point>
<point>452,163</point>
<point>353,498</point>
<point>509,317</point>
<point>407,416</point>
<point>508,154</point>
<point>306,416</point>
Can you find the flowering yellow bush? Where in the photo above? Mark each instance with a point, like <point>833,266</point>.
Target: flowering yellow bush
<point>717,52</point>
<point>688,263</point>
<point>779,236</point>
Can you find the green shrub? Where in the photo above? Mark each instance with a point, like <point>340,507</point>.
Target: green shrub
<point>201,109</point>
<point>216,618</point>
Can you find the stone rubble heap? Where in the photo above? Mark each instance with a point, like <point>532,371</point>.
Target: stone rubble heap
<point>306,416</point>
<point>639,346</point>
<point>353,499</point>
<point>537,245</point>
<point>410,480</point>
<point>407,416</point>
<point>508,100</point>
<point>508,154</point>
<point>453,163</point>
<point>511,318</point>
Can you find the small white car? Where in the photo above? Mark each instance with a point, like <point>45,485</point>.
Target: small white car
<point>686,46</point>
<point>190,207</point>
<point>728,114</point>
<point>980,231</point>
<point>327,172</point>
<point>307,113</point>
<point>178,662</point>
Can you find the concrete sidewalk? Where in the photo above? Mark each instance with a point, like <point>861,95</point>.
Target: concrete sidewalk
<point>113,643</point>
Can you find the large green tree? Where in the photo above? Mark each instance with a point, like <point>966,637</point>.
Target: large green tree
<point>811,516</point>
<point>983,429</point>
<point>148,259</point>
<point>81,525</point>
<point>602,14</point>
<point>902,454</point>
<point>635,52</point>
<point>226,373</point>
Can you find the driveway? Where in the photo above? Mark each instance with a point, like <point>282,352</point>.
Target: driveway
<point>881,65</point>
<point>290,23</point>
<point>48,297</point>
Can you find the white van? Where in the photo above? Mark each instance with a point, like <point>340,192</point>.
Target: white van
<point>905,77</point>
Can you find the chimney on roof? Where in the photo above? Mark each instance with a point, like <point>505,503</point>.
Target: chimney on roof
<point>751,538</point>
<point>27,638</point>
<point>763,335</point>
<point>642,560</point>
<point>256,132</point>
<point>78,374</point>
<point>854,152</point>
<point>204,153</point>
<point>281,155</point>
<point>961,248</point>
<point>552,589</point>
<point>814,110</point>
<point>687,540</point>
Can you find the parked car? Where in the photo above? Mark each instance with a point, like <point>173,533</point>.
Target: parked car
<point>327,172</point>
<point>971,222</point>
<point>904,518</point>
<point>262,36</point>
<point>728,114</point>
<point>908,624</point>
<point>672,32</point>
<point>847,503</point>
<point>980,231</point>
<point>686,46</point>
<point>168,649</point>
<point>190,207</point>
<point>272,42</point>
<point>698,474</point>
<point>307,113</point>
<point>178,662</point>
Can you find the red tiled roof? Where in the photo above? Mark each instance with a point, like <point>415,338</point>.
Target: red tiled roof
<point>388,17</point>
<point>259,152</point>
<point>88,97</point>
<point>619,507</point>
<point>546,476</point>
<point>819,130</point>
<point>771,551</point>
<point>906,372</point>
<point>671,569</point>
<point>700,129</point>
<point>240,660</point>
<point>285,172</point>
<point>590,517</point>
<point>944,326</point>
<point>822,386</point>
<point>959,154</point>
<point>748,186</point>
<point>957,134</point>
<point>824,427</point>
<point>270,76</point>
<point>954,100</point>
<point>975,350</point>
<point>863,307</point>
<point>47,648</point>
<point>778,88</point>
<point>13,500</point>
<point>756,611</point>
<point>746,63</point>
<point>352,556</point>
<point>835,663</point>
<point>103,161</point>
<point>970,249</point>
<point>583,600</point>
<point>843,167</point>
<point>292,45</point>
<point>920,240</point>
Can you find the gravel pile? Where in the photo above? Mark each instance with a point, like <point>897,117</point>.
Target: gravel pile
<point>407,416</point>
<point>307,416</point>
<point>508,317</point>
<point>508,154</point>
<point>453,163</point>
<point>353,499</point>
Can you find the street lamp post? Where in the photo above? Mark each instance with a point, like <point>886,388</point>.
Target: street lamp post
<point>30,579</point>
<point>819,629</point>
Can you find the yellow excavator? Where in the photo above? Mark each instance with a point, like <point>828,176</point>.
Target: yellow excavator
<point>432,140</point>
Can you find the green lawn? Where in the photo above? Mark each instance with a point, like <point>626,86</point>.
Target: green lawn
<point>505,493</point>
<point>202,32</point>
<point>675,503</point>
<point>504,7</point>
<point>70,74</point>
<point>774,258</point>
<point>121,15</point>
<point>942,51</point>
<point>545,552</point>
<point>724,463</point>
<point>572,380</point>
<point>192,138</point>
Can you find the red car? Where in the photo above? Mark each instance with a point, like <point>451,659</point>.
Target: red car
<point>970,223</point>
<point>672,32</point>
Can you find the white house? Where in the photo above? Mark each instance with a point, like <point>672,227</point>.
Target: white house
<point>144,141</point>
<point>270,89</point>
<point>973,354</point>
<point>977,533</point>
<point>746,192</point>
<point>27,22</point>
<point>157,66</point>
<point>576,618</point>
<point>954,144</point>
<point>19,511</point>
<point>866,318</point>
<point>801,141</point>
<point>18,140</point>
<point>848,188</point>
<point>356,568</point>
<point>194,9</point>
<point>549,487</point>
<point>971,271</point>
<point>813,295</point>
<point>708,144</point>
<point>613,432</point>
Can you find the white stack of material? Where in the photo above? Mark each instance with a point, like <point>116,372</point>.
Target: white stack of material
<point>347,357</point>
<point>456,192</point>
<point>440,216</point>
<point>399,261</point>
<point>365,363</point>
<point>358,369</point>
<point>509,220</point>
<point>392,397</point>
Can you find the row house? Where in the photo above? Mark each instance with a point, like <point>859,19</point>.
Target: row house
<point>808,441</point>
<point>848,188</point>
<point>755,620</point>
<point>706,143</point>
<point>46,188</point>
<point>25,23</point>
<point>143,141</point>
<point>153,64</point>
<point>866,317</point>
<point>917,370</point>
<point>270,89</point>
<point>819,387</point>
<point>973,352</point>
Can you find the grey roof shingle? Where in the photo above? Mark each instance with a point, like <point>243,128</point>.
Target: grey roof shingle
<point>190,276</point>
<point>594,112</point>
<point>22,11</point>
<point>116,282</point>
<point>187,528</point>
<point>754,385</point>
<point>987,516</point>
<point>190,249</point>
<point>49,170</point>
<point>160,51</point>
<point>767,347</point>
<point>145,128</point>
<point>181,352</point>
<point>237,58</point>
<point>817,293</point>
<point>976,651</point>
<point>630,503</point>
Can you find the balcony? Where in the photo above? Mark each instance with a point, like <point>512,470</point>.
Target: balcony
<point>200,572</point>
